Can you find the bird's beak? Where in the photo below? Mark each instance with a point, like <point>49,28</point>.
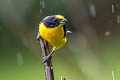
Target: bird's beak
<point>63,21</point>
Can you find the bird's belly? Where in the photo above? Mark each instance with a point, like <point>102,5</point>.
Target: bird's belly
<point>55,36</point>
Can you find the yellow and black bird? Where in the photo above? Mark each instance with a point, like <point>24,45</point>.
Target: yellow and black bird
<point>53,30</point>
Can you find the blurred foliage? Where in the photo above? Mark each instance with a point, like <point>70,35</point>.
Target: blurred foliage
<point>92,51</point>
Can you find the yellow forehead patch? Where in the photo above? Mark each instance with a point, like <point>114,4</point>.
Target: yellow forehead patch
<point>59,17</point>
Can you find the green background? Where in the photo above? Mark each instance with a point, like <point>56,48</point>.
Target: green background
<point>91,53</point>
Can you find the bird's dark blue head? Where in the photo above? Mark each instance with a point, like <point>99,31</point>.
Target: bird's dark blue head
<point>53,21</point>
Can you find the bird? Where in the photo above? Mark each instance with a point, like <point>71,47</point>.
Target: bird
<point>53,30</point>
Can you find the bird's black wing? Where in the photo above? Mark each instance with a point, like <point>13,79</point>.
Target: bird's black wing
<point>64,28</point>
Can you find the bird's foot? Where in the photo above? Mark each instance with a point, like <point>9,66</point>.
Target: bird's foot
<point>46,58</point>
<point>38,36</point>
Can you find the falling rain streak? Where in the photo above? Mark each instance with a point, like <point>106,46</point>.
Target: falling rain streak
<point>41,11</point>
<point>19,59</point>
<point>92,10</point>
<point>107,33</point>
<point>113,75</point>
<point>42,6</point>
<point>116,11</point>
<point>113,11</point>
<point>118,19</point>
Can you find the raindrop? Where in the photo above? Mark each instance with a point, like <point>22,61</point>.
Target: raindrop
<point>42,6</point>
<point>25,42</point>
<point>113,75</point>
<point>92,10</point>
<point>107,33</point>
<point>19,59</point>
<point>117,5</point>
<point>113,11</point>
<point>118,19</point>
<point>42,3</point>
<point>41,11</point>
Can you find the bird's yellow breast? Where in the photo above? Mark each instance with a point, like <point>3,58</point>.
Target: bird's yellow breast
<point>55,35</point>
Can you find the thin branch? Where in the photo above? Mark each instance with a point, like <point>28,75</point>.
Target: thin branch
<point>48,64</point>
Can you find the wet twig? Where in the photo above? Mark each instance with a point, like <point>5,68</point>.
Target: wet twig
<point>48,64</point>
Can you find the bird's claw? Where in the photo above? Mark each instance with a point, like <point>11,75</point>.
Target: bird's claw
<point>46,58</point>
<point>38,36</point>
